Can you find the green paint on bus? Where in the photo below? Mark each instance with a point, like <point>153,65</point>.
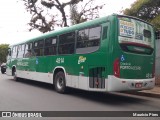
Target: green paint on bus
<point>105,50</point>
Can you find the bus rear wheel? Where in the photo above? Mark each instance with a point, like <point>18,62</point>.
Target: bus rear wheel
<point>60,83</point>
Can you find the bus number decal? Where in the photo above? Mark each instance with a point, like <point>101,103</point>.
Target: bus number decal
<point>149,75</point>
<point>60,60</point>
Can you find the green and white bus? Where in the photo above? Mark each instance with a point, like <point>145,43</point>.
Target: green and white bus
<point>113,53</point>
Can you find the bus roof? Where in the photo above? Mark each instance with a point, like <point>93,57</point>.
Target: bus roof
<point>77,27</point>
<point>134,18</point>
<point>66,30</point>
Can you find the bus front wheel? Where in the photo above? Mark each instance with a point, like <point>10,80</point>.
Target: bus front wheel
<point>60,83</point>
<point>14,75</point>
<point>2,72</point>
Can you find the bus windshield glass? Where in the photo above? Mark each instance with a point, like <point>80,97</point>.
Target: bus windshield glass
<point>135,36</point>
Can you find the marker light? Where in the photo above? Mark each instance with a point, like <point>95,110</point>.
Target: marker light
<point>116,68</point>
<point>153,70</point>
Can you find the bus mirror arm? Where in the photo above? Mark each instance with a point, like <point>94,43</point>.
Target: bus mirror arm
<point>9,52</point>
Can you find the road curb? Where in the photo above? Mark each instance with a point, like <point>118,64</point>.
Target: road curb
<point>144,93</point>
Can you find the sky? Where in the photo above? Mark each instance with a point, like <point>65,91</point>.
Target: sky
<point>14,18</point>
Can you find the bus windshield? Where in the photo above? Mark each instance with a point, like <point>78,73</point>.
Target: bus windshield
<point>135,36</point>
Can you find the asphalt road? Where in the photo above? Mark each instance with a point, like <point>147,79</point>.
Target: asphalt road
<point>27,95</point>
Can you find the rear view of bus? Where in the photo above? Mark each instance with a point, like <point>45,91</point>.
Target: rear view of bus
<point>134,56</point>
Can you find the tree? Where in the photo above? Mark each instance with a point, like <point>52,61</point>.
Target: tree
<point>148,10</point>
<point>76,17</point>
<point>3,52</point>
<point>45,14</point>
<point>86,12</point>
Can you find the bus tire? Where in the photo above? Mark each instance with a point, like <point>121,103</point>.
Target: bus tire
<point>60,82</point>
<point>2,72</point>
<point>14,75</point>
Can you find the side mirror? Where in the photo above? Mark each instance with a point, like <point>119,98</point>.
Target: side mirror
<point>9,52</point>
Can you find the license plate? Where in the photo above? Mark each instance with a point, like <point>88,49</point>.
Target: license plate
<point>138,85</point>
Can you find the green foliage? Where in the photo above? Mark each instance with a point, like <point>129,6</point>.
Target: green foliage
<point>156,22</point>
<point>148,10</point>
<point>46,14</point>
<point>3,52</point>
<point>87,11</point>
<point>76,17</point>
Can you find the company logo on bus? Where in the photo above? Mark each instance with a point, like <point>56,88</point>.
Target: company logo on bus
<point>81,59</point>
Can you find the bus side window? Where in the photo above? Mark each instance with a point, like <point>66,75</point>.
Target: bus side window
<point>50,46</point>
<point>66,43</point>
<point>88,40</point>
<point>105,29</point>
<point>38,48</point>
<point>28,50</point>
<point>20,51</point>
<point>14,52</point>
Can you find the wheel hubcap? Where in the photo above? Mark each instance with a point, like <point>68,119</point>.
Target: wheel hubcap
<point>60,83</point>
